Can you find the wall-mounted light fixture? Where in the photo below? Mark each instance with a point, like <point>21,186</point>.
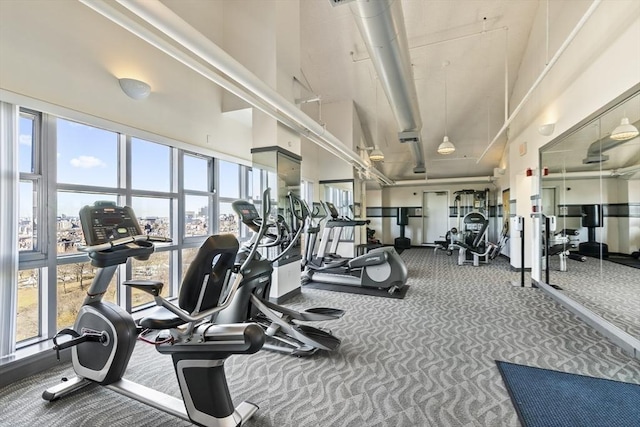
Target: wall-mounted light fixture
<point>546,129</point>
<point>135,89</point>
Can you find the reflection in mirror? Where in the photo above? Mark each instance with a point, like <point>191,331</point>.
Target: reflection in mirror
<point>592,198</point>
<point>340,194</point>
<point>279,170</point>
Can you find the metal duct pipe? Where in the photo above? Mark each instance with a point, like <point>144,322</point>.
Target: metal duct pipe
<point>594,153</point>
<point>381,24</point>
<point>440,181</point>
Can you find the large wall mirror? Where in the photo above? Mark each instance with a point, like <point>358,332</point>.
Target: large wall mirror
<point>593,190</point>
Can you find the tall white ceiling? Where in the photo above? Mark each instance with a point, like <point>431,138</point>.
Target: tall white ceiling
<point>483,42</point>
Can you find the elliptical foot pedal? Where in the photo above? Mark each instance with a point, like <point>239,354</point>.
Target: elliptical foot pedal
<point>333,313</point>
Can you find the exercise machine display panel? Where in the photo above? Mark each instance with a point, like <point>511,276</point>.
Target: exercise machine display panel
<point>104,221</point>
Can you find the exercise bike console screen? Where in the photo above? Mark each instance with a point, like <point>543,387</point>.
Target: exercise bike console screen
<point>104,221</point>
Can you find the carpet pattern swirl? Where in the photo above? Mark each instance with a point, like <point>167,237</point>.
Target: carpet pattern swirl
<point>425,360</point>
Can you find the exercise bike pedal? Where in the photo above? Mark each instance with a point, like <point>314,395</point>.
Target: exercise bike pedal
<point>87,335</point>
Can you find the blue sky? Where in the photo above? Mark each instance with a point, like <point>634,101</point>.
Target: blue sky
<point>88,156</point>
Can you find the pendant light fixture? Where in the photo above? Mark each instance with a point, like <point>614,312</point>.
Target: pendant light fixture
<point>376,155</point>
<point>446,147</point>
<point>624,131</point>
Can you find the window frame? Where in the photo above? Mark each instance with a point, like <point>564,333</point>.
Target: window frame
<point>46,260</point>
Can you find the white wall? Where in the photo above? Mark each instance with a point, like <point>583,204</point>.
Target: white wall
<point>580,83</point>
<point>411,196</point>
<point>70,56</point>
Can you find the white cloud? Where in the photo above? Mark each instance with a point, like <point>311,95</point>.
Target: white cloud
<point>87,162</point>
<point>25,139</point>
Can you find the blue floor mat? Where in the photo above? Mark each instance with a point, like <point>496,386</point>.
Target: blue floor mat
<point>545,398</point>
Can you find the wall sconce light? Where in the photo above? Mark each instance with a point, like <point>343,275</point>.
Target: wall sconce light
<point>135,89</point>
<point>546,129</point>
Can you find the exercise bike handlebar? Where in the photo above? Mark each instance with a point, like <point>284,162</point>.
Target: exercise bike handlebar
<point>122,242</point>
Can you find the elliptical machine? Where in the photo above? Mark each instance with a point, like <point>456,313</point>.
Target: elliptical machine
<point>104,334</point>
<point>380,268</point>
<point>251,303</point>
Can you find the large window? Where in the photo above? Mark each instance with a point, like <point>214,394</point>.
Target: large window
<point>234,182</point>
<point>229,175</point>
<point>150,166</point>
<point>198,195</point>
<point>65,165</point>
<point>28,313</point>
<point>30,181</point>
<point>86,155</point>
<point>153,215</point>
<point>30,214</point>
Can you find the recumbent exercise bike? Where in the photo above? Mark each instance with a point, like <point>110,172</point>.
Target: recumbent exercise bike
<point>104,334</point>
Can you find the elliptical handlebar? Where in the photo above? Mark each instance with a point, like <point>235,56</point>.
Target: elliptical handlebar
<point>192,318</point>
<point>304,213</point>
<point>264,225</point>
<point>303,217</point>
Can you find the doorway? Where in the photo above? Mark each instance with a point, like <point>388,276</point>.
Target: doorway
<point>435,216</point>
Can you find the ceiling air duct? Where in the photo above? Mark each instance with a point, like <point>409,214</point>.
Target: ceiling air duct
<point>381,24</point>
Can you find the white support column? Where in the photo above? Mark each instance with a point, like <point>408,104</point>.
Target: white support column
<point>9,179</point>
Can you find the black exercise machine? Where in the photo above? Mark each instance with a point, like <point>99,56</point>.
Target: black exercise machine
<point>592,218</point>
<point>380,268</point>
<point>251,303</point>
<point>472,242</point>
<point>401,243</point>
<point>104,335</point>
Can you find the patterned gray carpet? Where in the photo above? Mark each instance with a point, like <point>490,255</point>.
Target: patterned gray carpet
<point>611,290</point>
<point>426,360</point>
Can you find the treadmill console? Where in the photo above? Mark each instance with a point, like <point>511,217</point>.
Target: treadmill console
<point>332,210</point>
<point>104,221</point>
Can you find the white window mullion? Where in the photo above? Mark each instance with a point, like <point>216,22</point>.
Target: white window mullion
<point>9,191</point>
<point>48,149</point>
